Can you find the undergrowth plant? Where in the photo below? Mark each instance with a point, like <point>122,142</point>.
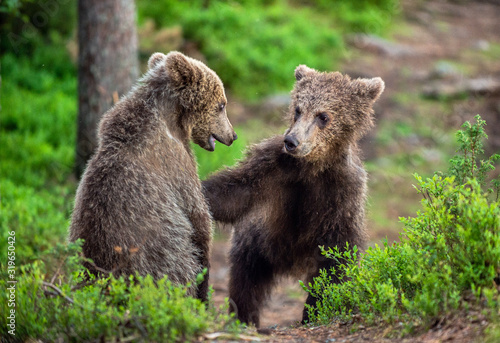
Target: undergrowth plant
<point>448,258</point>
<point>56,302</point>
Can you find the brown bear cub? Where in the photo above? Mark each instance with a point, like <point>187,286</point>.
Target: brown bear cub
<point>298,191</point>
<point>139,206</point>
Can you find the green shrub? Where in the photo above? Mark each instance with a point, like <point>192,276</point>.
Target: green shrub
<point>67,308</point>
<point>449,253</point>
<point>39,218</point>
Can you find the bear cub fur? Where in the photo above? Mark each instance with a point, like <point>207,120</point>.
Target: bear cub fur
<point>139,206</point>
<point>298,191</point>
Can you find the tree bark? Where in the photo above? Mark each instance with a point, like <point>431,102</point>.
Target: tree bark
<point>107,66</point>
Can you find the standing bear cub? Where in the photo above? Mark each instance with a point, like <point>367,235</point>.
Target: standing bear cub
<point>139,206</point>
<point>296,192</point>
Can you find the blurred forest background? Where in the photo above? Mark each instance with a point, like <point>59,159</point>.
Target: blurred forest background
<point>440,61</point>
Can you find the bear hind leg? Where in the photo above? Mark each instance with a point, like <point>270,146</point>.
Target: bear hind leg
<point>251,280</point>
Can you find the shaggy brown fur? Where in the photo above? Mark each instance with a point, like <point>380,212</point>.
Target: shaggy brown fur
<point>298,191</point>
<point>139,206</point>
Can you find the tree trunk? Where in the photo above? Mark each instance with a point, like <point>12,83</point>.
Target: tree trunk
<point>107,66</point>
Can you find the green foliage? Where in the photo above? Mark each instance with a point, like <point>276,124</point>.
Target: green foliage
<point>10,7</point>
<point>37,135</point>
<point>38,118</point>
<point>458,235</point>
<point>68,307</point>
<point>27,25</point>
<point>224,156</point>
<point>256,45</point>
<point>467,165</point>
<point>368,16</point>
<point>492,333</point>
<point>253,45</point>
<point>448,254</point>
<point>39,218</point>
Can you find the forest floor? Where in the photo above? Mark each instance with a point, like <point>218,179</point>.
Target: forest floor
<point>437,48</point>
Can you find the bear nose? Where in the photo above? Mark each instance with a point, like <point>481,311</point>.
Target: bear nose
<point>291,143</point>
<point>235,136</point>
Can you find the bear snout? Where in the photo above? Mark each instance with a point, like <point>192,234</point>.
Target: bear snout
<point>291,143</point>
<point>226,139</point>
<point>223,131</point>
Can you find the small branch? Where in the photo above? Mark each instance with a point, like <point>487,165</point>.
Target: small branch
<point>58,269</point>
<point>82,284</point>
<point>139,326</point>
<point>58,291</point>
<point>99,269</point>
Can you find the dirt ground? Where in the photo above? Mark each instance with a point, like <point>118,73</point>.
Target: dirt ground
<point>464,32</point>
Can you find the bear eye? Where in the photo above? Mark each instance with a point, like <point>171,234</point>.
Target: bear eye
<point>323,119</point>
<point>297,113</point>
<point>222,106</point>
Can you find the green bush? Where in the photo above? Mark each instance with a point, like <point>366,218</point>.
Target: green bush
<point>67,307</point>
<point>449,253</point>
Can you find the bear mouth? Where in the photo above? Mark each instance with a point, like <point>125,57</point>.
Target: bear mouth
<point>302,151</point>
<point>211,142</point>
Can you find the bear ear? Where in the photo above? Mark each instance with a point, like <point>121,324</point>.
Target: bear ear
<point>370,88</point>
<point>303,70</point>
<point>180,70</point>
<point>155,59</point>
<point>375,87</point>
